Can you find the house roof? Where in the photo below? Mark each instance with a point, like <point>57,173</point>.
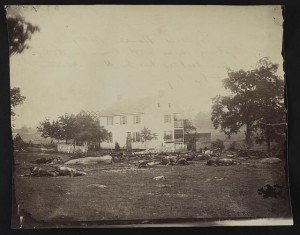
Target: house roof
<point>134,106</point>
<point>129,106</point>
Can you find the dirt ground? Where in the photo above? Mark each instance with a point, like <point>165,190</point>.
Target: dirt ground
<point>124,192</point>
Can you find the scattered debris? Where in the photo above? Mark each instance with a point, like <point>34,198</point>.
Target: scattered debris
<point>161,177</point>
<point>270,191</point>
<point>271,160</point>
<point>59,171</point>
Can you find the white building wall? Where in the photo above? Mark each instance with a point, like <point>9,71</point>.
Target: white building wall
<point>152,118</point>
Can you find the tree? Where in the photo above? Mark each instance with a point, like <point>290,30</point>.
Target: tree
<point>50,130</point>
<point>272,123</point>
<point>15,99</point>
<point>256,95</point>
<point>19,32</point>
<point>89,130</point>
<point>147,135</point>
<point>67,123</point>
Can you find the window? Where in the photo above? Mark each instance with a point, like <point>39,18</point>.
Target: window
<point>136,137</point>
<point>178,134</point>
<point>167,118</point>
<point>123,120</point>
<point>168,135</point>
<point>137,119</point>
<point>110,121</point>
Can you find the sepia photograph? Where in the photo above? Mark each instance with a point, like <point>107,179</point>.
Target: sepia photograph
<point>148,115</point>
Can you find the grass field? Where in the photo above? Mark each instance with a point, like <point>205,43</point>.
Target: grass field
<point>194,191</point>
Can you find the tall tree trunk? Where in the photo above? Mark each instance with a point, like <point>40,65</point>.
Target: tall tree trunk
<point>248,135</point>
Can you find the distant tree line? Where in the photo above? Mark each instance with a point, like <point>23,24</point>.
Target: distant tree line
<point>76,129</point>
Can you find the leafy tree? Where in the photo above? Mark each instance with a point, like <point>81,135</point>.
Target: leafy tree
<point>67,123</point>
<point>272,121</point>
<point>256,96</point>
<point>89,130</point>
<point>19,32</point>
<point>50,129</point>
<point>16,99</point>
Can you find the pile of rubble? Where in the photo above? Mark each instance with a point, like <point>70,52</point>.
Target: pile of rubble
<point>142,161</point>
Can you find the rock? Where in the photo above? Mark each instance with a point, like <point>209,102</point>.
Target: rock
<point>271,160</point>
<point>91,160</point>
<point>241,158</point>
<point>230,156</point>
<point>207,152</point>
<point>153,163</point>
<point>161,177</point>
<point>97,185</point>
<point>164,185</point>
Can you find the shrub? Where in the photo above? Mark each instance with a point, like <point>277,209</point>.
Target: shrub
<point>117,146</point>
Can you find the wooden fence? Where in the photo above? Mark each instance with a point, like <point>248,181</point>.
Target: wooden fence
<point>71,148</point>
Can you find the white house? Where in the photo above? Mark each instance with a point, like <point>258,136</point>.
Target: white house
<point>158,114</point>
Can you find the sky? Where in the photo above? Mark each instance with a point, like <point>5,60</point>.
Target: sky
<point>85,57</point>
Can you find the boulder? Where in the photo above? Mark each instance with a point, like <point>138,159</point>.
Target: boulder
<point>91,160</point>
<point>271,160</point>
